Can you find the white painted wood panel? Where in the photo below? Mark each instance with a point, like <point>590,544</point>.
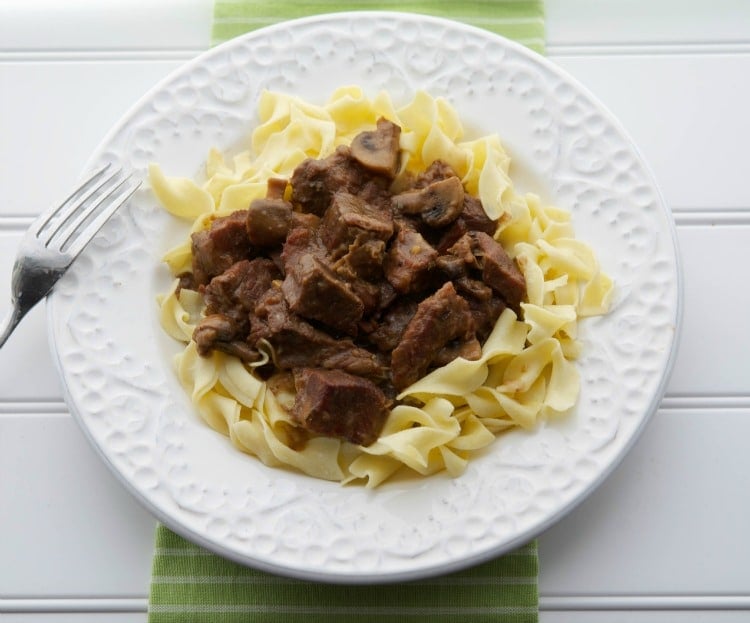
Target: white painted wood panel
<point>102,25</point>
<point>52,117</point>
<point>637,22</point>
<point>686,113</point>
<point>26,369</point>
<point>630,616</point>
<point>92,617</point>
<point>715,341</point>
<point>671,520</point>
<point>74,531</point>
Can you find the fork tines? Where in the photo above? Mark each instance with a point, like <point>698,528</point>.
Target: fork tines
<point>71,225</point>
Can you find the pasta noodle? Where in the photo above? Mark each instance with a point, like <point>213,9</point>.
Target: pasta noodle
<point>526,370</point>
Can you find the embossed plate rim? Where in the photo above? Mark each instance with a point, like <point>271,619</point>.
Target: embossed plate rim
<point>138,466</point>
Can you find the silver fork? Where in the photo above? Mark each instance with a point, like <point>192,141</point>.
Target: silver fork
<point>58,236</point>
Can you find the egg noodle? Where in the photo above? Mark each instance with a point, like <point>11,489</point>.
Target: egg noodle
<point>526,371</point>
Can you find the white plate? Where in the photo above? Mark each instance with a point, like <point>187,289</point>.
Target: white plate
<point>115,359</point>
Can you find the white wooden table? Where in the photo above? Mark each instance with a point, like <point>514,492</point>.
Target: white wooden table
<point>666,538</point>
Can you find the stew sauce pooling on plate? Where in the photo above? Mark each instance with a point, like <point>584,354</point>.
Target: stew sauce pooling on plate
<point>361,281</point>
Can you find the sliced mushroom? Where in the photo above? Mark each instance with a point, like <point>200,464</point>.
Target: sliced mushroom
<point>378,150</point>
<point>276,187</point>
<point>438,205</point>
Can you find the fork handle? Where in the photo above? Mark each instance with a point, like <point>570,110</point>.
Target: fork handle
<point>12,318</point>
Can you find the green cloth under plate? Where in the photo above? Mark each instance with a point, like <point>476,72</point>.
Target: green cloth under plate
<point>521,20</point>
<point>193,585</point>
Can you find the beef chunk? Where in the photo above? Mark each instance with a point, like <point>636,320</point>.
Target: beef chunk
<point>220,332</point>
<point>302,219</point>
<point>314,182</point>
<point>268,222</point>
<point>212,329</point>
<point>387,334</point>
<point>297,344</point>
<point>218,247</point>
<point>351,220</point>
<point>235,292</point>
<point>472,218</point>
<point>436,172</point>
<point>311,287</point>
<point>314,292</point>
<point>485,304</point>
<point>379,150</point>
<point>409,260</point>
<point>311,191</point>
<point>449,267</point>
<point>367,292</point>
<point>468,349</point>
<point>186,281</point>
<point>438,204</point>
<point>499,271</point>
<point>375,296</point>
<point>230,299</point>
<point>360,250</point>
<point>301,241</point>
<point>337,404</point>
<point>439,320</point>
<point>363,260</point>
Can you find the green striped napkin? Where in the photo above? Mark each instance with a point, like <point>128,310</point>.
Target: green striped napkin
<point>521,20</point>
<point>191,584</point>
